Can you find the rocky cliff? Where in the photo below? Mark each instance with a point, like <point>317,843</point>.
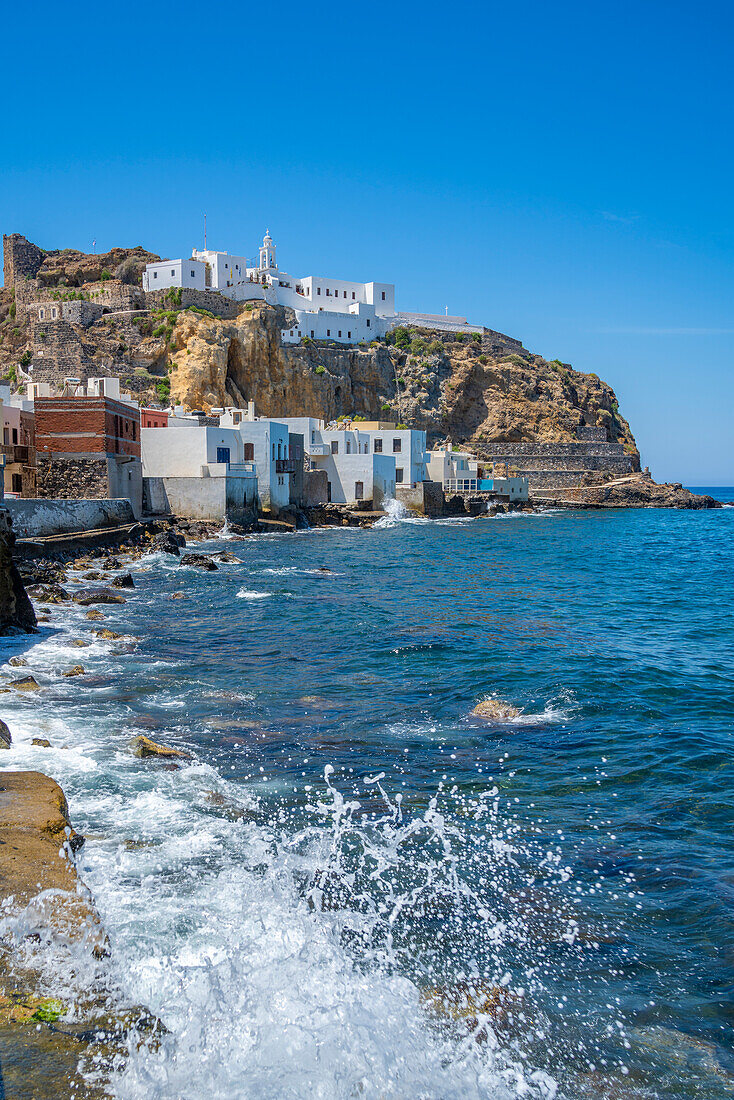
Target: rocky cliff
<point>467,389</point>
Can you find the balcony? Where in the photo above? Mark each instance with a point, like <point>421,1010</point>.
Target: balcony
<point>285,465</point>
<point>17,452</point>
<point>244,469</point>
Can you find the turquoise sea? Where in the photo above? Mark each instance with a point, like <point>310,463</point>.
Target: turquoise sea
<point>358,889</point>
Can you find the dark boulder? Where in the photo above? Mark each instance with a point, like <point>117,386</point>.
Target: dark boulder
<point>48,593</point>
<point>125,580</point>
<point>87,596</point>
<point>200,561</point>
<point>6,739</point>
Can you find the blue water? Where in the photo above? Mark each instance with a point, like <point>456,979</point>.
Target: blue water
<point>307,903</point>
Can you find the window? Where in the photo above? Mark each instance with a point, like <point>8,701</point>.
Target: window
<point>17,483</point>
<point>279,452</point>
<point>328,332</point>
<point>383,295</point>
<point>223,454</point>
<point>15,435</point>
<point>249,452</point>
<point>349,335</point>
<point>328,292</point>
<point>40,315</point>
<point>155,274</point>
<point>173,271</point>
<point>328,492</point>
<point>54,313</point>
<point>299,332</point>
<point>339,334</point>
<point>318,291</point>
<point>353,295</point>
<point>397,446</point>
<point>399,474</point>
<point>312,332</point>
<point>345,293</point>
<point>193,274</point>
<point>359,490</point>
<point>273,452</point>
<point>349,447</point>
<point>334,447</point>
<point>378,446</point>
<point>368,322</point>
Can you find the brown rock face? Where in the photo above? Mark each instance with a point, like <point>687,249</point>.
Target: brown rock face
<point>34,828</point>
<point>16,609</point>
<point>69,267</point>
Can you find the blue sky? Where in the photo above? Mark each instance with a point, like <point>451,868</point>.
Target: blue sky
<point>561,172</point>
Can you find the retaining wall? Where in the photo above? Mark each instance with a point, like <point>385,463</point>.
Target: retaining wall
<point>40,518</point>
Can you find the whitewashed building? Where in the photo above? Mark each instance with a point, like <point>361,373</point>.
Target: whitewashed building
<point>355,471</point>
<point>266,443</point>
<point>171,273</point>
<point>197,471</point>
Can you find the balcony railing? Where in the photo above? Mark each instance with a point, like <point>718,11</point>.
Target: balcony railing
<point>246,468</point>
<point>285,465</point>
<point>16,452</point>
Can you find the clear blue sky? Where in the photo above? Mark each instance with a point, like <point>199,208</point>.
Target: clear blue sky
<point>561,172</point>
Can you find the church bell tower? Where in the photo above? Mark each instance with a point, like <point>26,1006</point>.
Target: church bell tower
<point>267,253</point>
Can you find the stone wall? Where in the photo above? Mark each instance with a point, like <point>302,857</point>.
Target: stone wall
<point>210,300</point>
<point>70,478</point>
<point>426,498</point>
<point>559,465</point>
<point>21,259</point>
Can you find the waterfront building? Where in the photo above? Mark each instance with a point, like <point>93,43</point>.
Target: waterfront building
<point>197,471</point>
<point>88,444</point>
<point>355,472</point>
<point>267,443</point>
<point>18,444</point>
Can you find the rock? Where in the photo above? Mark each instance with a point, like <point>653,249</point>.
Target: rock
<point>26,683</point>
<point>199,561</point>
<point>228,557</point>
<point>125,580</point>
<point>80,643</point>
<point>169,542</point>
<point>18,662</point>
<point>87,596</point>
<point>144,747</point>
<point>77,670</point>
<point>95,616</point>
<point>35,867</point>
<point>107,634</point>
<point>41,743</point>
<point>48,593</point>
<point>495,710</point>
<point>466,1002</point>
<point>6,738</point>
<point>178,596</point>
<point>95,575</point>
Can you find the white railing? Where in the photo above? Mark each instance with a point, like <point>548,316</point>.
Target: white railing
<point>242,468</point>
<point>461,484</point>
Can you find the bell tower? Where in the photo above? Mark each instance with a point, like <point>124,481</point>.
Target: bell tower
<point>267,253</point>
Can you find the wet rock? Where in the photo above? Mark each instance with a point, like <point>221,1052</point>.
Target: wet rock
<point>95,575</point>
<point>144,747</point>
<point>471,1004</point>
<point>107,634</point>
<point>87,596</point>
<point>495,710</point>
<point>125,580</point>
<point>43,618</point>
<point>48,593</point>
<point>77,670</point>
<point>95,616</point>
<point>6,738</point>
<point>199,561</point>
<point>169,542</point>
<point>41,743</point>
<point>18,662</point>
<point>178,596</point>
<point>80,643</point>
<point>25,683</point>
<point>227,557</point>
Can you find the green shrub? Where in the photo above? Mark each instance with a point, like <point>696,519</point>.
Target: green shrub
<point>163,389</point>
<point>476,337</point>
<point>435,347</point>
<point>459,337</point>
<point>160,330</point>
<point>386,408</point>
<point>11,311</point>
<point>25,358</point>
<point>482,358</point>
<point>307,342</point>
<point>320,369</point>
<point>105,276</point>
<point>402,427</point>
<point>173,294</point>
<point>358,417</point>
<point>516,359</point>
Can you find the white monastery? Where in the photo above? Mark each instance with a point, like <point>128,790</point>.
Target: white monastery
<point>326,308</point>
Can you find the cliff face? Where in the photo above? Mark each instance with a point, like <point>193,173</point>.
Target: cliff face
<point>464,390</point>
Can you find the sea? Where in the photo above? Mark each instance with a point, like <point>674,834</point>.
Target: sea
<point>356,887</point>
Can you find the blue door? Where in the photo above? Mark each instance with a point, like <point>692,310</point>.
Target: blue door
<point>223,454</point>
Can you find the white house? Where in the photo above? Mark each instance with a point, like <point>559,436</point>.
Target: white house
<point>406,445</point>
<point>445,464</point>
<point>197,470</point>
<point>168,273</point>
<point>266,443</point>
<point>354,471</point>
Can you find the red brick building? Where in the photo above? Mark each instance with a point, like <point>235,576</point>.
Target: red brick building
<point>88,447</point>
<point>153,418</point>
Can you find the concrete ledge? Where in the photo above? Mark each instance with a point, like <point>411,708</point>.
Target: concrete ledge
<point>40,518</point>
